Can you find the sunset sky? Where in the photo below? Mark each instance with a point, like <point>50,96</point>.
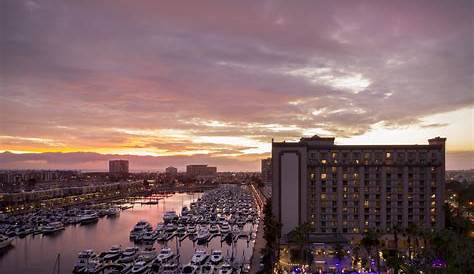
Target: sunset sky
<point>188,82</point>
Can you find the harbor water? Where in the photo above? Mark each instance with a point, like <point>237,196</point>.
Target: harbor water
<point>38,254</point>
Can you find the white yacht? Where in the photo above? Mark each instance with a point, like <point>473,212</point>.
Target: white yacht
<point>92,266</point>
<point>83,259</point>
<point>185,211</point>
<point>202,235</point>
<point>88,217</point>
<point>214,229</point>
<point>140,229</point>
<point>181,229</point>
<point>53,227</point>
<point>165,254</point>
<point>113,211</point>
<point>171,267</point>
<point>189,269</point>
<point>199,257</point>
<point>170,216</point>
<point>191,229</point>
<point>206,269</point>
<point>225,228</point>
<point>170,227</point>
<point>216,256</point>
<point>226,269</point>
<point>148,254</point>
<point>5,241</point>
<point>113,253</point>
<point>160,227</point>
<point>142,225</point>
<point>140,266</point>
<point>129,255</point>
<point>149,236</point>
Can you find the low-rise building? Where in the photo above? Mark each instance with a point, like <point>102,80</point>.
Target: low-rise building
<point>118,166</point>
<point>201,171</point>
<point>171,171</point>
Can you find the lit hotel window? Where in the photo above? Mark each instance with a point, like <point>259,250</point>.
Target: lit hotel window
<point>323,176</point>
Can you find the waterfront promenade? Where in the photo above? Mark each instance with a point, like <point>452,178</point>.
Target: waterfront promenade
<point>259,244</point>
<point>259,240</point>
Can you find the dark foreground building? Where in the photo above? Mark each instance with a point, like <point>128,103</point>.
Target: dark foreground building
<point>352,188</point>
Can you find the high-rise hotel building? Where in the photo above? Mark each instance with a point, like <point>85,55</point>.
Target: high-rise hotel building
<point>352,188</point>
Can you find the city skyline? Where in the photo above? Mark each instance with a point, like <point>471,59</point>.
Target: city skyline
<point>163,83</point>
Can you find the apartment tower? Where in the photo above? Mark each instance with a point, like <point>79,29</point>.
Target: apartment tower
<point>353,188</point>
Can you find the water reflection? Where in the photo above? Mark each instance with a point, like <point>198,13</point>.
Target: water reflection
<point>37,254</point>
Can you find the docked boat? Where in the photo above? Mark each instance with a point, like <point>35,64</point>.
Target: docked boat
<point>181,229</point>
<point>214,229</point>
<point>113,212</point>
<point>149,236</point>
<point>23,231</point>
<point>236,230</point>
<point>202,235</point>
<point>189,269</point>
<point>185,211</point>
<point>142,225</point>
<point>162,236</point>
<point>165,254</point>
<point>199,257</point>
<point>52,228</point>
<point>224,228</point>
<point>139,267</point>
<point>88,217</point>
<point>129,255</point>
<point>83,259</point>
<point>93,266</point>
<point>156,266</point>
<point>136,234</point>
<point>160,227</point>
<point>170,216</point>
<point>113,253</point>
<point>148,254</point>
<point>171,267</point>
<point>139,230</point>
<point>206,269</point>
<point>191,229</point>
<point>226,269</point>
<point>170,227</point>
<point>216,257</point>
<point>5,241</point>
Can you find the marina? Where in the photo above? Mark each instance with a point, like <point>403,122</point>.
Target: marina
<point>212,232</point>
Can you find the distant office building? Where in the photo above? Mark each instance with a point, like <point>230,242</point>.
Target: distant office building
<point>201,171</point>
<point>171,170</point>
<point>266,170</point>
<point>353,188</point>
<point>118,166</point>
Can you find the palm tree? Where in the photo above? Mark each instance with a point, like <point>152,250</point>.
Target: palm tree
<point>356,256</point>
<point>370,241</point>
<point>396,230</point>
<point>271,234</point>
<point>299,236</point>
<point>340,254</point>
<point>393,260</point>
<point>411,231</point>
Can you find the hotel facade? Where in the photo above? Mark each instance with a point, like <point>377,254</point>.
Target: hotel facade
<point>348,189</point>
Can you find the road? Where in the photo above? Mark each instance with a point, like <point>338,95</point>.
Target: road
<point>259,244</point>
<point>259,240</point>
